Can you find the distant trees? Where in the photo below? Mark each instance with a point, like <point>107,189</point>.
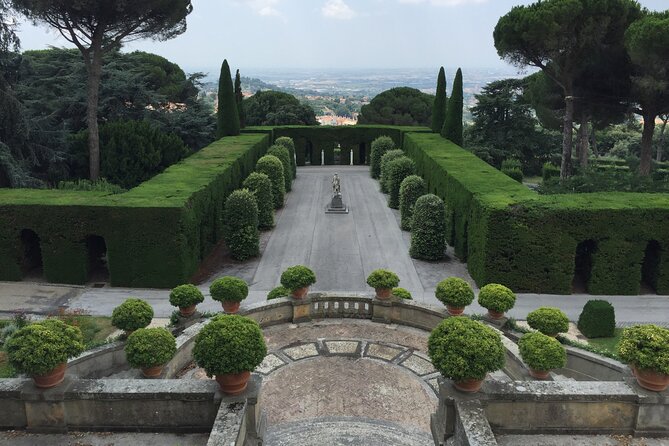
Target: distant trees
<point>239,97</point>
<point>452,128</point>
<point>227,115</point>
<point>439,107</point>
<point>398,106</point>
<point>277,108</point>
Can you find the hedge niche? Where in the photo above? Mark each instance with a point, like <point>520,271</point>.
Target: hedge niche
<point>384,177</point>
<point>427,230</point>
<point>241,224</point>
<point>282,153</point>
<point>261,187</point>
<point>380,146</point>
<point>290,145</point>
<point>396,172</point>
<point>271,166</point>
<point>411,189</point>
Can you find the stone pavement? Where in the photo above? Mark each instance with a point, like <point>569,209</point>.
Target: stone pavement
<point>22,438</point>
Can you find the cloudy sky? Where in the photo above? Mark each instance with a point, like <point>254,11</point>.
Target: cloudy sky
<point>329,34</point>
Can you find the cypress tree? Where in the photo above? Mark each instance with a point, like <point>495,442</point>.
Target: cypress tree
<point>439,107</point>
<point>239,97</point>
<point>228,118</point>
<point>453,123</point>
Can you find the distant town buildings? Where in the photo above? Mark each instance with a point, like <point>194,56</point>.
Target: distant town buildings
<point>337,120</point>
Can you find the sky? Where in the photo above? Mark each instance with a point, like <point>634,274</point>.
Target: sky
<point>328,34</point>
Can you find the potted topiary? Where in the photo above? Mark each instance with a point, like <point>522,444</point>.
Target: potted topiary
<point>541,353</point>
<point>278,293</point>
<point>455,293</point>
<point>383,281</point>
<point>297,279</point>
<point>230,291</point>
<point>465,351</point>
<point>150,349</point>
<point>132,315</point>
<point>186,297</point>
<point>548,320</point>
<point>498,299</point>
<point>42,349</point>
<point>402,293</point>
<point>230,347</point>
<point>646,349</point>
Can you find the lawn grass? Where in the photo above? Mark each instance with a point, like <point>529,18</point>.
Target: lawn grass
<point>608,344</point>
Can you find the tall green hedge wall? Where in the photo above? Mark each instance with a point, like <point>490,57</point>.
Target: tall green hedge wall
<point>156,234</point>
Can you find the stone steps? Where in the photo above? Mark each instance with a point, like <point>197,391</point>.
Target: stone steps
<point>338,431</point>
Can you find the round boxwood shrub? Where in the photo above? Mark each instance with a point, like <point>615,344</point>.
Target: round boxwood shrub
<point>150,347</point>
<point>548,320</point>
<point>541,352</point>
<point>385,160</point>
<point>382,278</point>
<point>229,344</point>
<point>428,231</point>
<point>397,170</point>
<point>38,348</point>
<point>380,146</point>
<point>402,293</point>
<point>261,187</point>
<point>278,293</point>
<point>296,277</point>
<point>132,315</point>
<point>454,292</point>
<point>229,289</point>
<point>289,144</point>
<point>645,347</point>
<point>496,297</point>
<point>598,319</point>
<point>461,349</point>
<point>271,166</point>
<point>185,295</point>
<point>411,189</point>
<point>241,224</point>
<point>282,153</point>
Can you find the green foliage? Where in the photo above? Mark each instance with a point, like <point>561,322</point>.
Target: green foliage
<point>397,170</point>
<point>296,277</point>
<point>541,352</point>
<point>132,315</point>
<point>38,348</point>
<point>411,189</point>
<point>239,97</point>
<point>261,187</point>
<point>185,295</point>
<point>461,349</point>
<point>549,170</point>
<point>428,230</point>
<point>289,144</point>
<point>402,293</point>
<point>387,157</point>
<point>382,278</point>
<point>608,180</point>
<point>548,320</point>
<point>282,153</point>
<point>101,185</point>
<point>229,344</point>
<point>514,173</point>
<point>277,108</point>
<point>380,146</point>
<point>278,293</point>
<point>150,347</point>
<point>598,319</point>
<point>229,289</point>
<point>398,106</point>
<point>511,163</point>
<point>454,292</point>
<point>452,128</point>
<point>497,298</point>
<point>439,107</point>
<point>272,167</point>
<point>241,224</point>
<point>228,116</point>
<point>646,347</point>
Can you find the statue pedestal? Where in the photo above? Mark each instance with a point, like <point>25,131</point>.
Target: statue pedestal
<point>336,206</point>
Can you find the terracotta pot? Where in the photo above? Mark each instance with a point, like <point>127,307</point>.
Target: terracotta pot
<point>300,293</point>
<point>468,385</point>
<point>152,372</point>
<point>187,311</point>
<point>231,307</point>
<point>455,311</point>
<point>383,293</point>
<point>496,315</point>
<point>51,379</point>
<point>539,374</point>
<point>233,383</point>
<point>650,379</point>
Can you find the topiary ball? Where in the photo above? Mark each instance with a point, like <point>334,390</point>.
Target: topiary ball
<point>645,347</point>
<point>150,347</point>
<point>296,277</point>
<point>598,319</point>
<point>380,146</point>
<point>132,315</point>
<point>229,289</point>
<point>428,231</point>
<point>278,293</point>
<point>548,320</point>
<point>382,278</point>
<point>402,293</point>
<point>541,352</point>
<point>496,297</point>
<point>454,292</point>
<point>185,296</point>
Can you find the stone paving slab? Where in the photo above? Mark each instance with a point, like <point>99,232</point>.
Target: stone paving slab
<point>385,352</point>
<point>270,364</point>
<point>301,351</point>
<point>342,347</point>
<point>22,438</point>
<point>419,365</point>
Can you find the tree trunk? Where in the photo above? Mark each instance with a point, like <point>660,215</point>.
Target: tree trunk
<point>583,132</point>
<point>647,142</point>
<point>94,68</point>
<point>660,142</point>
<point>567,137</point>
<point>593,135</point>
